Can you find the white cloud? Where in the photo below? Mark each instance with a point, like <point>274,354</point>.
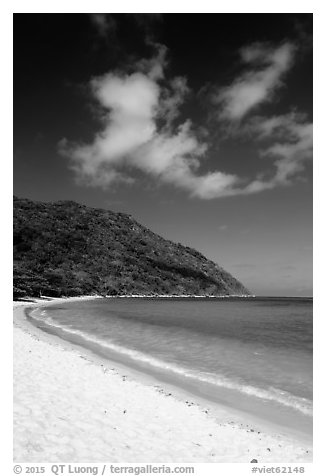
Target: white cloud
<point>256,85</point>
<point>130,137</point>
<point>103,23</point>
<point>140,130</point>
<point>292,147</point>
<point>172,99</point>
<point>154,67</point>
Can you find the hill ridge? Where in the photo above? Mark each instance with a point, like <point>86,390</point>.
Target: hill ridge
<point>67,248</point>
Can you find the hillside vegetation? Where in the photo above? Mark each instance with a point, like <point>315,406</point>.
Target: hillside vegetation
<point>67,249</point>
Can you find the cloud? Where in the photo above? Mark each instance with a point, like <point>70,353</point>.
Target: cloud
<point>132,101</point>
<point>286,139</point>
<point>104,24</point>
<point>130,137</point>
<point>292,155</point>
<point>173,98</point>
<point>153,67</point>
<point>292,146</point>
<point>141,131</point>
<point>147,21</point>
<point>256,85</point>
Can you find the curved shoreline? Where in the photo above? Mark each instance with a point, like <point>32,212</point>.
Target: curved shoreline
<point>268,412</point>
<point>168,407</point>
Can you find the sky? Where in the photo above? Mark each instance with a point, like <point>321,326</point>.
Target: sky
<point>198,125</point>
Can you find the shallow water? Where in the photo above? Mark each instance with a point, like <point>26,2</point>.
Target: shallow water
<point>259,349</point>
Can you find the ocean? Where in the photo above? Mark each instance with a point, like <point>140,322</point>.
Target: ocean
<point>253,354</point>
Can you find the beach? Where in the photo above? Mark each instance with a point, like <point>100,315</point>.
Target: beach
<point>72,406</point>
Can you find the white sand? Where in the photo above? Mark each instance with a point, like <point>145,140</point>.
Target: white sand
<point>70,408</point>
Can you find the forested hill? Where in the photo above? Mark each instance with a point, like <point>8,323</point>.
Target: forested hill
<point>67,249</point>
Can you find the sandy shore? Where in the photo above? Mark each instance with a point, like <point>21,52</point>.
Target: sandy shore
<point>72,406</point>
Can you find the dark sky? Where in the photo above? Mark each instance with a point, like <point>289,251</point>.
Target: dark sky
<point>199,125</point>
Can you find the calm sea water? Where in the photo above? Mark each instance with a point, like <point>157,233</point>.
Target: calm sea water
<point>259,348</point>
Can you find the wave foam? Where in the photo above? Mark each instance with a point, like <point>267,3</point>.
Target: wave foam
<point>282,397</point>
